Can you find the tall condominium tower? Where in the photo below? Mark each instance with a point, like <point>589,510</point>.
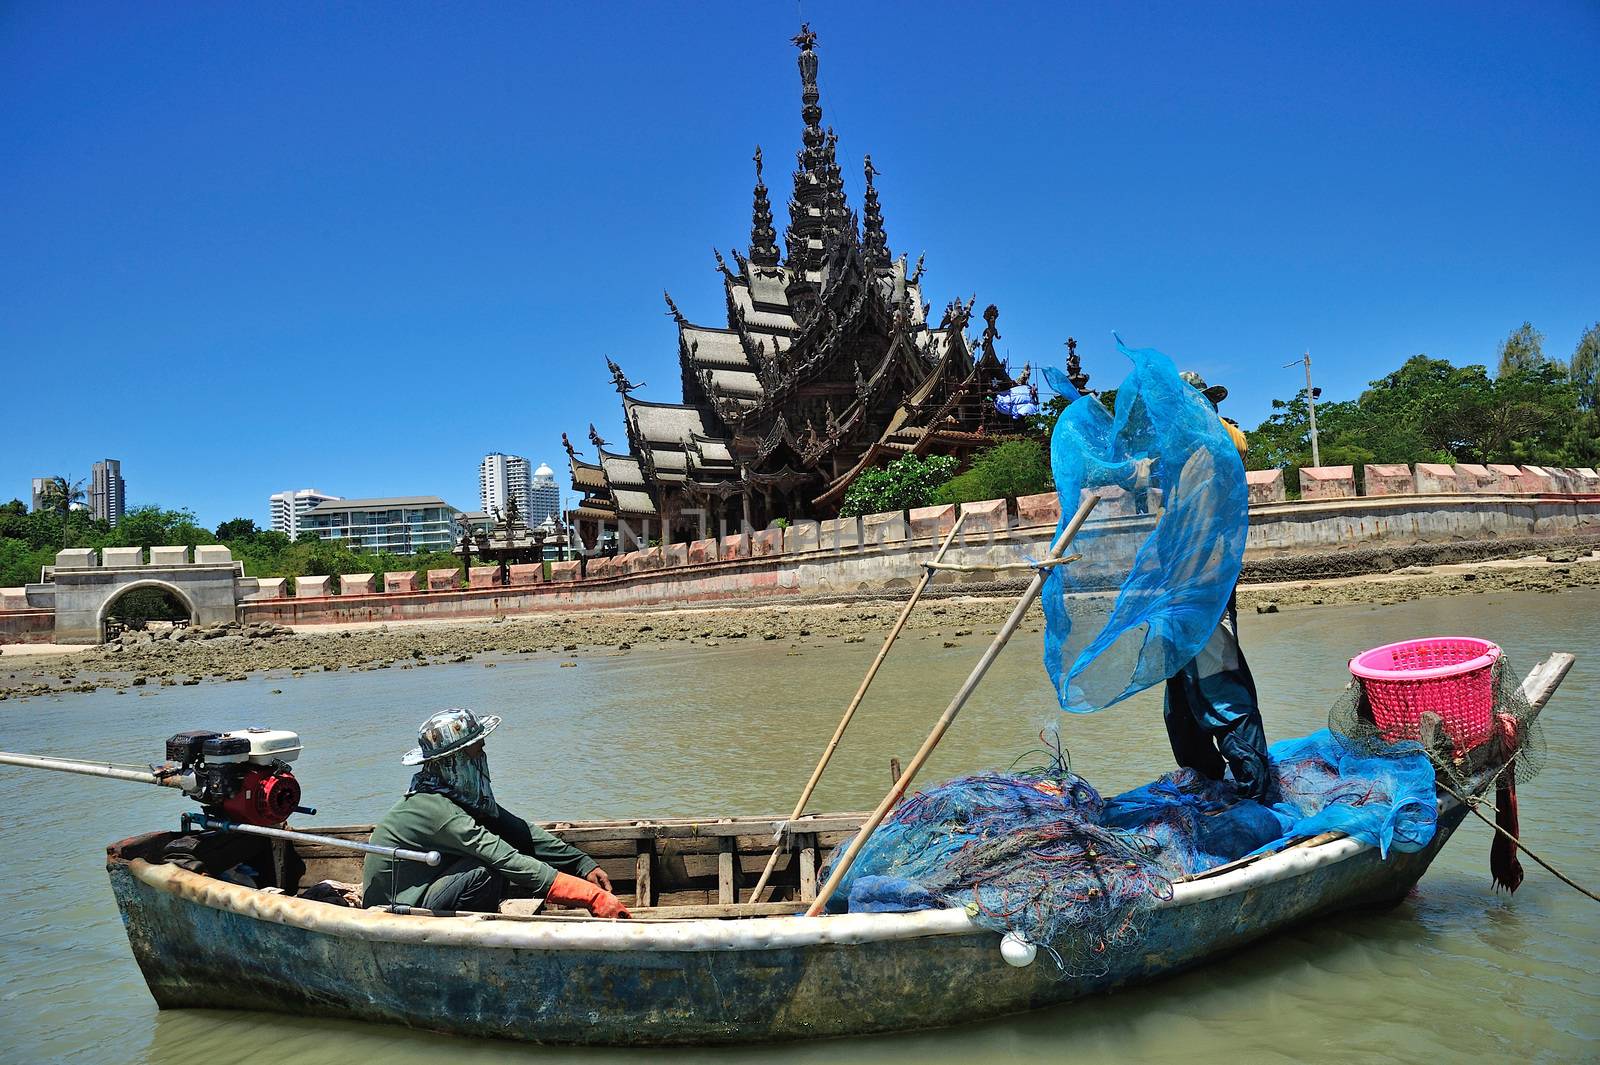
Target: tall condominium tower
<point>502,478</point>
<point>41,490</point>
<point>289,509</point>
<point>107,494</point>
<point>545,495</point>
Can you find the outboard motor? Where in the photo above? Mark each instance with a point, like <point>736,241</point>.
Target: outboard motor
<point>239,776</point>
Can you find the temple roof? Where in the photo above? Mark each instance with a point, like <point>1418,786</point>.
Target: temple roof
<point>664,423</point>
<point>714,347</point>
<point>828,362</point>
<point>586,474</point>
<point>621,471</point>
<point>758,318</point>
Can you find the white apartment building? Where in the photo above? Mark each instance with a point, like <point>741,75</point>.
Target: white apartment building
<point>401,525</point>
<point>545,495</point>
<point>289,509</point>
<point>502,478</point>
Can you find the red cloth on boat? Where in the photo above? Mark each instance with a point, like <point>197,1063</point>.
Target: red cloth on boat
<point>1503,863</point>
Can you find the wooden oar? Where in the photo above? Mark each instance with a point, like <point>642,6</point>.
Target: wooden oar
<point>850,711</point>
<point>1057,549</point>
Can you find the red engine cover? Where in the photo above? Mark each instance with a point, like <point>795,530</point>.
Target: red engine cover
<point>265,797</point>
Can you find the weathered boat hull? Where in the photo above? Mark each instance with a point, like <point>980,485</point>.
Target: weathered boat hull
<point>203,943</point>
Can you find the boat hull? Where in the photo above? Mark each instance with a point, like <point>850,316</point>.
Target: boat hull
<point>201,943</point>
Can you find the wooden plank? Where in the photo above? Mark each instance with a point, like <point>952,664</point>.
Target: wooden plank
<point>687,829</point>
<point>808,867</point>
<point>643,881</point>
<point>842,825</point>
<point>727,878</point>
<point>1545,678</point>
<point>741,909</point>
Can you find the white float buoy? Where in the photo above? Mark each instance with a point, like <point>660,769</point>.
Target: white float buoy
<point>1017,951</point>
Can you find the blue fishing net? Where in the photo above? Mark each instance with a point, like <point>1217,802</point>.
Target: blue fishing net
<point>1319,784</point>
<point>1021,850</point>
<point>1039,852</point>
<point>1163,549</point>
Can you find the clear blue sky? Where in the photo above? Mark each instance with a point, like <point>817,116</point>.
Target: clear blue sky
<point>251,247</point>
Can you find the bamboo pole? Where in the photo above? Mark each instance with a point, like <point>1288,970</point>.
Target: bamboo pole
<point>849,711</point>
<point>946,719</point>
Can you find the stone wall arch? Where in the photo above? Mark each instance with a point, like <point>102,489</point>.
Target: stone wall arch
<point>121,590</point>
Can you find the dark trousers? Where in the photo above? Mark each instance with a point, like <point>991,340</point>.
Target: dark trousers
<point>465,884</point>
<point>1213,717</point>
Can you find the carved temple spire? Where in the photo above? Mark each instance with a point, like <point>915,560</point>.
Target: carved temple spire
<point>763,238</point>
<point>619,380</point>
<point>817,209</point>
<point>1075,374</point>
<point>875,243</point>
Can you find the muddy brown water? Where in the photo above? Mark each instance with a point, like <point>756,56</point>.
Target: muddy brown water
<point>1456,972</point>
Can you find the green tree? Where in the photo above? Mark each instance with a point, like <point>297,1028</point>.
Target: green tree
<point>1013,468</point>
<point>1585,368</point>
<point>60,495</point>
<point>153,526</point>
<point>236,529</point>
<point>908,481</point>
<point>1523,349</point>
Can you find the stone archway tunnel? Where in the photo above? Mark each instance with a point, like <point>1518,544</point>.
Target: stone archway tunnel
<point>87,583</point>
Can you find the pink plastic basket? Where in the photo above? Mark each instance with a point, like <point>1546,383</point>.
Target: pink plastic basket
<point>1452,676</point>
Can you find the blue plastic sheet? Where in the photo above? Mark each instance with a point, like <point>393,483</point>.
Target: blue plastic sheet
<point>1155,578</point>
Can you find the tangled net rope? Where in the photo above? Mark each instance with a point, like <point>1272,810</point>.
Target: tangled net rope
<point>1021,850</point>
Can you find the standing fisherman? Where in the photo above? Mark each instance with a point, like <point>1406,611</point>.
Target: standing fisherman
<point>450,808</point>
<point>1212,714</point>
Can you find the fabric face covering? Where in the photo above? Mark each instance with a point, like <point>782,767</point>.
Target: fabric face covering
<point>463,777</point>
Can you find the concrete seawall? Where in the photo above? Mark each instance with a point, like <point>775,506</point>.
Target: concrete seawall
<point>1278,528</point>
<point>877,553</point>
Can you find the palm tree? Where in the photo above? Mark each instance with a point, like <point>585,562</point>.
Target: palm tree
<point>60,494</point>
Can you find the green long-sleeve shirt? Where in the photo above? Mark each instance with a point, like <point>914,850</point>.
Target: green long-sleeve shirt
<point>524,854</point>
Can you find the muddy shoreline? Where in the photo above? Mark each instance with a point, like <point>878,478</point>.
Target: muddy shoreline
<point>956,618</point>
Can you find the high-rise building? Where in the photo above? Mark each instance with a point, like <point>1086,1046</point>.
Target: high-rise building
<point>403,525</point>
<point>41,489</point>
<point>107,494</point>
<point>502,478</point>
<point>545,495</point>
<point>289,509</point>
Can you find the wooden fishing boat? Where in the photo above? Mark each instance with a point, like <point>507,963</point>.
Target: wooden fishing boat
<point>696,965</point>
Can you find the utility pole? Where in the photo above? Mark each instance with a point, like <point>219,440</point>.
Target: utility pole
<point>1311,406</point>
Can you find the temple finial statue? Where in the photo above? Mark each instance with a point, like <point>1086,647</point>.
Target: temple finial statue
<point>991,332</point>
<point>619,380</point>
<point>595,438</point>
<point>566,443</point>
<point>874,242</point>
<point>1075,374</point>
<point>816,210</point>
<point>672,309</point>
<point>763,237</point>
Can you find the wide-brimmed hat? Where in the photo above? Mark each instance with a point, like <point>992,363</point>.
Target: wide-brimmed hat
<point>447,732</point>
<point>1215,393</point>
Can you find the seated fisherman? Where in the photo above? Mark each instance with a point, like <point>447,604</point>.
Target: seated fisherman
<point>489,853</point>
<point>1213,718</point>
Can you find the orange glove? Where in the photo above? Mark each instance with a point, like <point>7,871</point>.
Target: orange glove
<point>571,891</point>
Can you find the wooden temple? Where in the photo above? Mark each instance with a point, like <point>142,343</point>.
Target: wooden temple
<point>828,365</point>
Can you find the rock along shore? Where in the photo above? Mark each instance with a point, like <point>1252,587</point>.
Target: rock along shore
<point>952,616</point>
